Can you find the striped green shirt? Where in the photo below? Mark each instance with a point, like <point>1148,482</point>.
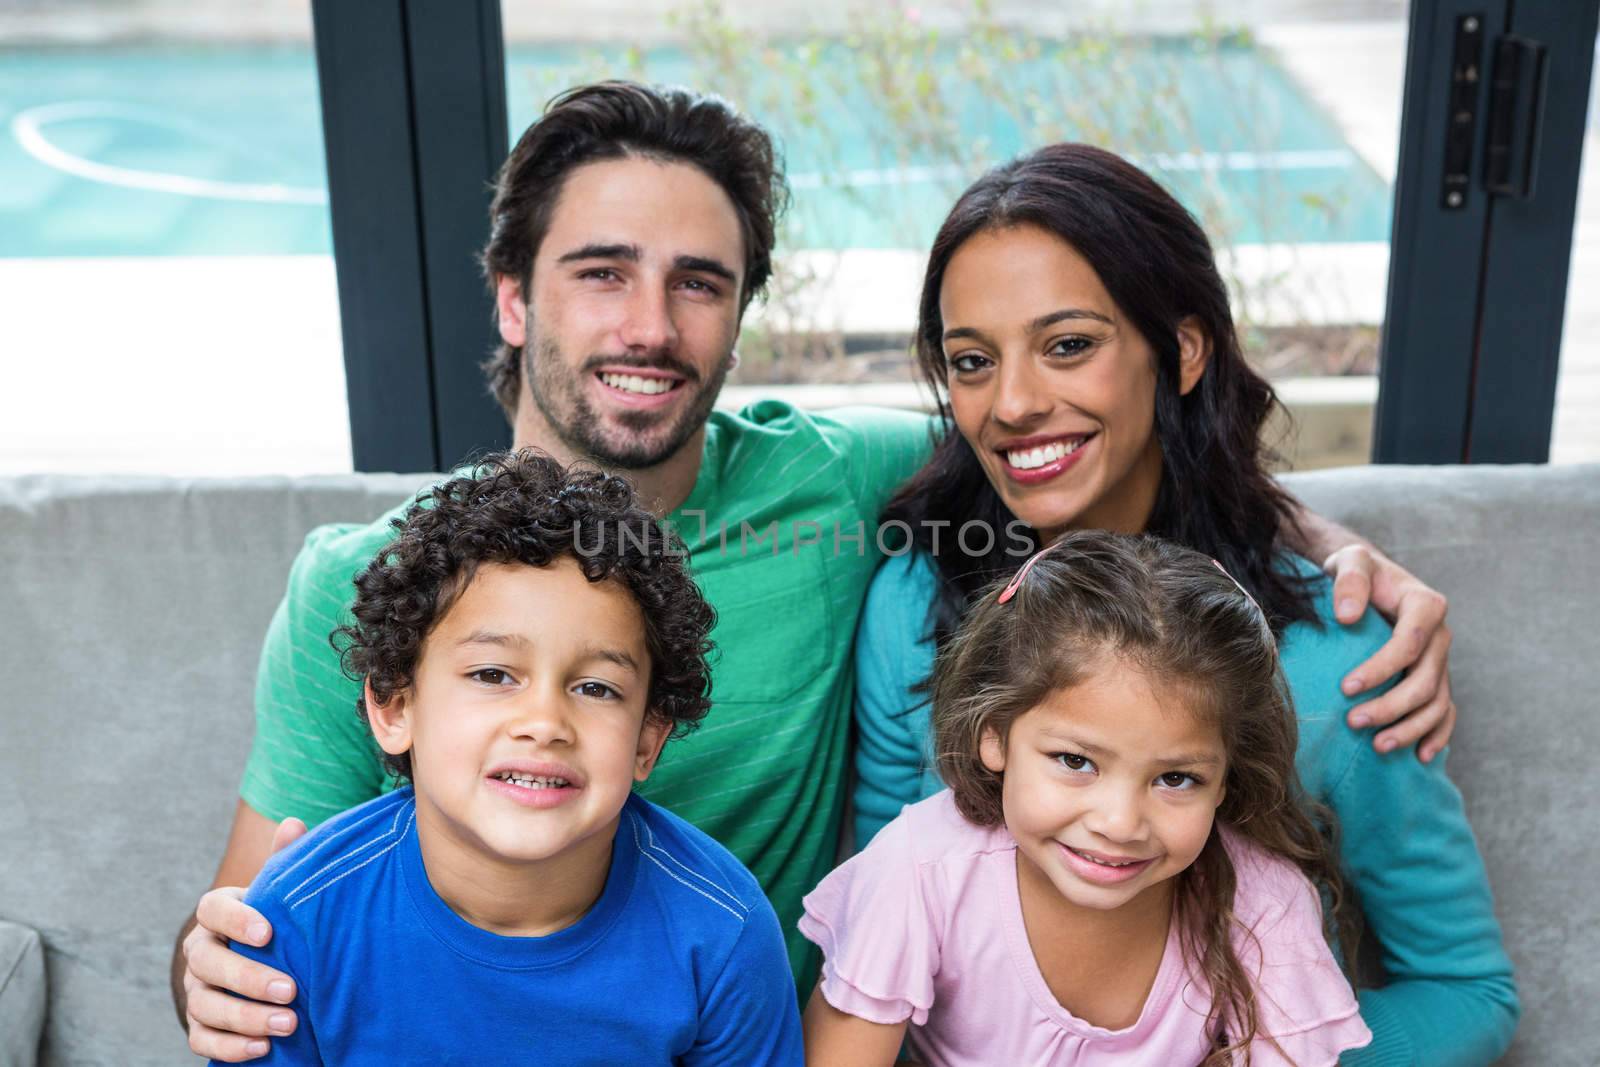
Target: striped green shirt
<point>782,533</point>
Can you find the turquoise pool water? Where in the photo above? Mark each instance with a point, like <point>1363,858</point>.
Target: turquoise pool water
<point>211,151</point>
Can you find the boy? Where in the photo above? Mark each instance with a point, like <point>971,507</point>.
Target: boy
<point>528,642</point>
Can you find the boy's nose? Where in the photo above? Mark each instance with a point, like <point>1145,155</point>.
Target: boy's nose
<point>543,720</point>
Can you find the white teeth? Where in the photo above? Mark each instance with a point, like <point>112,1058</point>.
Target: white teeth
<point>633,383</point>
<point>1103,863</point>
<point>528,781</point>
<point>1032,458</point>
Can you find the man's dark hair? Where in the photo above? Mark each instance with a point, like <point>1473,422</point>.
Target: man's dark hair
<point>524,507</point>
<point>614,120</point>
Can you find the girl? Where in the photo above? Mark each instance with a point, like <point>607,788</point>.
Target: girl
<point>1077,332</point>
<point>1118,871</point>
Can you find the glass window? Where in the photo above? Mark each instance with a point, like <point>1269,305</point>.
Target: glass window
<point>1575,437</point>
<point>886,111</point>
<point>164,242</point>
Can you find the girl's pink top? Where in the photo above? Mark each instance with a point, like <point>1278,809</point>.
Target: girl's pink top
<point>926,925</point>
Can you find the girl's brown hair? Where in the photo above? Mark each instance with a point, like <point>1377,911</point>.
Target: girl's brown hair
<point>1174,615</point>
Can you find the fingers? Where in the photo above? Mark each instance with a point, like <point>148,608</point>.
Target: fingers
<point>213,964</point>
<point>223,913</point>
<point>1411,729</point>
<point>1352,568</point>
<point>216,1011</point>
<point>288,831</point>
<point>1420,707</point>
<point>225,1048</point>
<point>1438,737</point>
<point>1419,636</point>
<point>1419,689</point>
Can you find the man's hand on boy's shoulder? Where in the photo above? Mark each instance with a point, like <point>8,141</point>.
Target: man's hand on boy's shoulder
<point>230,1004</point>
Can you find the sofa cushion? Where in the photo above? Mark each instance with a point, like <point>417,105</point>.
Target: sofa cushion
<point>1517,551</point>
<point>22,994</point>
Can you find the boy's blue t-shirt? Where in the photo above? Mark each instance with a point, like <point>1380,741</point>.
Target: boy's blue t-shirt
<point>680,961</point>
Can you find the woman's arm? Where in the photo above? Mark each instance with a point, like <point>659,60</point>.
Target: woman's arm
<point>1450,998</point>
<point>1419,710</point>
<point>837,1039</point>
<point>891,720</point>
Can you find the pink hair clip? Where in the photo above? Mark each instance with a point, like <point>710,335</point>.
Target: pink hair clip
<point>1016,583</point>
<point>1239,587</point>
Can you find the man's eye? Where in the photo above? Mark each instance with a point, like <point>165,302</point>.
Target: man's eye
<point>702,286</point>
<point>490,676</point>
<point>597,690</point>
<point>600,274</point>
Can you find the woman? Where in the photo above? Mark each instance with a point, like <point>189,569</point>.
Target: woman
<point>1077,333</point>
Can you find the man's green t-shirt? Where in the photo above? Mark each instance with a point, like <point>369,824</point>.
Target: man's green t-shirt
<point>781,528</point>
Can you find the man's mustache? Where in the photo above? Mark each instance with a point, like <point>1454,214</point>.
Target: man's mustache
<point>664,362</point>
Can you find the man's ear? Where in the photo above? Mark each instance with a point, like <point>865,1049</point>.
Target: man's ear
<point>1194,353</point>
<point>652,736</point>
<point>511,310</point>
<point>390,723</point>
<point>992,750</point>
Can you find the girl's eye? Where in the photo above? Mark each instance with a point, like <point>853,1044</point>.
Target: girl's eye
<point>1070,346</point>
<point>968,362</point>
<point>1074,762</point>
<point>598,691</point>
<point>490,676</point>
<point>1178,780</point>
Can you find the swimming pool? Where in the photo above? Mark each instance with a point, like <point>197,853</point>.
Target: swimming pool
<point>193,150</point>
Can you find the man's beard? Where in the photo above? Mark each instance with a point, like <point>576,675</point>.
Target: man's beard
<point>559,393</point>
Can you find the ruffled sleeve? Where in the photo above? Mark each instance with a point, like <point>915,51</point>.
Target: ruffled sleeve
<point>1307,1012</point>
<point>877,924</point>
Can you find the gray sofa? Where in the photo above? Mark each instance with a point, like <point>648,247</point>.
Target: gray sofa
<point>133,611</point>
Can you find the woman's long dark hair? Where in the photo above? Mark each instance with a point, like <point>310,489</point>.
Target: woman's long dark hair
<point>1156,263</point>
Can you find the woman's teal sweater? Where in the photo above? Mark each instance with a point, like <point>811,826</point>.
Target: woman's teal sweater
<point>1408,852</point>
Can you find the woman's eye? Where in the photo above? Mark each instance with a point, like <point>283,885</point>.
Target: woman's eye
<point>597,690</point>
<point>968,362</point>
<point>1178,780</point>
<point>490,676</point>
<point>1074,762</point>
<point>1070,346</point>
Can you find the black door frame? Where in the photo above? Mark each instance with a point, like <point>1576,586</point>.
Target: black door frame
<point>1478,278</point>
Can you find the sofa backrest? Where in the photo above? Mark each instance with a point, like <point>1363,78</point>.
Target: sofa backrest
<point>134,610</point>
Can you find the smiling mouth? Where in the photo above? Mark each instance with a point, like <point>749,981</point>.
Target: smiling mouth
<point>639,385</point>
<point>1027,459</point>
<point>1103,863</point>
<point>531,781</point>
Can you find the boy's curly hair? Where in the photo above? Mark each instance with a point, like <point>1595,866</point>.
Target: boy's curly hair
<point>524,507</point>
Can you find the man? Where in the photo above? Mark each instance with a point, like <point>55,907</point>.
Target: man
<point>631,228</point>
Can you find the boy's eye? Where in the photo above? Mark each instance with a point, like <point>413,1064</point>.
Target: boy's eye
<point>598,691</point>
<point>490,676</point>
<point>1178,780</point>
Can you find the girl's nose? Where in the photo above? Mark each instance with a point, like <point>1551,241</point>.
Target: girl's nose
<point>1118,817</point>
